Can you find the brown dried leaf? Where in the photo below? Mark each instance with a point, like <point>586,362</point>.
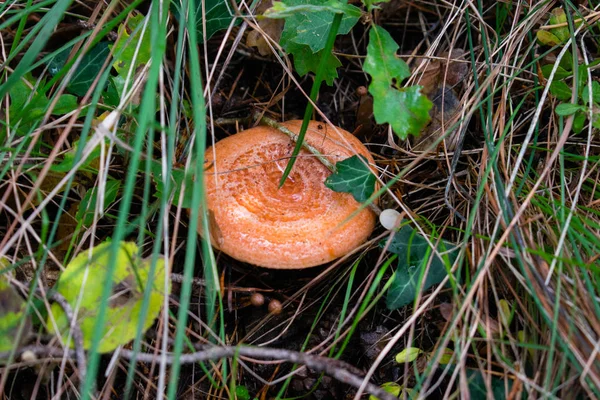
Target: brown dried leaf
<point>445,111</point>
<point>446,311</point>
<point>270,27</point>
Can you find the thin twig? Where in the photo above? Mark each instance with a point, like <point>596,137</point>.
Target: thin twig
<point>337,369</point>
<point>274,124</point>
<point>75,332</point>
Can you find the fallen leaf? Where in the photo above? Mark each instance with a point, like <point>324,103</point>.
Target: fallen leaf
<point>270,27</point>
<point>82,284</point>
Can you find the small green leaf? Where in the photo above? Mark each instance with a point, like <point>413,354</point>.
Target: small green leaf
<point>409,354</point>
<point>567,61</point>
<point>565,109</point>
<point>391,387</point>
<point>370,4</point>
<point>559,17</point>
<point>579,121</point>
<point>82,284</point>
<point>547,38</point>
<point>12,314</point>
<point>87,206</point>
<point>68,160</point>
<point>585,95</point>
<point>560,90</point>
<point>28,108</point>
<point>413,255</point>
<point>354,177</point>
<point>126,46</point>
<point>560,73</point>
<point>506,313</point>
<point>87,71</point>
<point>596,120</point>
<point>405,109</point>
<point>446,357</point>
<point>65,104</point>
<point>176,179</point>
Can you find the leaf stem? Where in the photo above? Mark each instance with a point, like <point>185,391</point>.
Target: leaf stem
<point>314,92</point>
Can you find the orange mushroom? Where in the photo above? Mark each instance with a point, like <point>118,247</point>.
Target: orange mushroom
<point>300,225</point>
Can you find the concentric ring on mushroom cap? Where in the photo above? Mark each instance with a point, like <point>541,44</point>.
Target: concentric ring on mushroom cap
<point>297,226</point>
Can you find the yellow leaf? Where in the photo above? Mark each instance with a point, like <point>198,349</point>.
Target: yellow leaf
<point>83,281</point>
<point>408,355</point>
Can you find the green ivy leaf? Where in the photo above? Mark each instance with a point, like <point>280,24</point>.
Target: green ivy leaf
<point>354,177</point>
<point>304,40</point>
<point>87,71</point>
<point>126,46</point>
<point>566,109</point>
<point>83,280</point>
<point>307,21</point>
<point>405,109</point>
<point>219,15</point>
<point>413,254</point>
<point>12,313</point>
<point>87,206</point>
<point>313,30</point>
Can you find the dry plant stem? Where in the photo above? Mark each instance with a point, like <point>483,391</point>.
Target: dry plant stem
<point>75,332</point>
<point>334,368</point>
<point>175,277</point>
<point>274,124</point>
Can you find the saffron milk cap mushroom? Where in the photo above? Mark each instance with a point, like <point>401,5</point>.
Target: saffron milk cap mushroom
<point>300,225</point>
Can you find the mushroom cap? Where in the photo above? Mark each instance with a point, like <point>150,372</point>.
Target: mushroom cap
<point>301,225</point>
